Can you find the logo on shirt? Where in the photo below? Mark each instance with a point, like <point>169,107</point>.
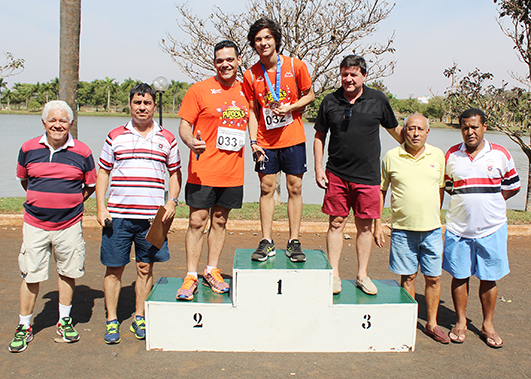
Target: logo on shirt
<point>269,98</point>
<point>215,91</point>
<point>234,114</point>
<point>288,74</point>
<point>489,166</point>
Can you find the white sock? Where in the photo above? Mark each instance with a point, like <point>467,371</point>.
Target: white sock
<point>64,310</point>
<point>193,273</point>
<point>209,268</point>
<point>25,320</point>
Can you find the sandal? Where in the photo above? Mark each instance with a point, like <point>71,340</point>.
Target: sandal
<point>457,335</point>
<point>490,339</point>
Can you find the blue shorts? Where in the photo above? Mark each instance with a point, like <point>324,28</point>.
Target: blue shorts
<point>291,160</point>
<point>486,257</point>
<point>116,243</point>
<point>411,248</point>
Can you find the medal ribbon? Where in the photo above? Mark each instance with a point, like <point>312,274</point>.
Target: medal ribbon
<point>276,92</point>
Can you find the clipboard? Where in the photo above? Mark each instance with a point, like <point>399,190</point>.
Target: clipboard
<point>158,231</point>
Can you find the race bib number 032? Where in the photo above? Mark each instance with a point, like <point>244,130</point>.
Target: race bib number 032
<point>272,121</point>
<point>230,139</point>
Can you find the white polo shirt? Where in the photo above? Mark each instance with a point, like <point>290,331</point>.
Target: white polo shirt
<point>477,207</point>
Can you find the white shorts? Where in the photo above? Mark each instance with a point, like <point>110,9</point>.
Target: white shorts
<point>67,246</point>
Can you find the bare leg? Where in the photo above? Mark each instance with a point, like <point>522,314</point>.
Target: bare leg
<point>28,296</point>
<point>460,289</point>
<point>294,185</point>
<point>216,236</point>
<point>66,288</point>
<point>363,245</point>
<point>267,203</point>
<point>488,292</point>
<point>143,285</point>
<point>433,295</point>
<point>194,237</point>
<point>408,282</point>
<point>334,241</point>
<point>112,284</point>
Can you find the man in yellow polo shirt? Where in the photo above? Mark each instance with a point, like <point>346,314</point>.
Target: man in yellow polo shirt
<point>415,173</point>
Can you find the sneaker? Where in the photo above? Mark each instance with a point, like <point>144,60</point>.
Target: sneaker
<point>265,249</point>
<point>215,281</point>
<point>113,332</point>
<point>294,251</point>
<point>187,290</point>
<point>337,285</point>
<point>66,330</point>
<point>138,326</point>
<point>367,286</point>
<point>23,336</point>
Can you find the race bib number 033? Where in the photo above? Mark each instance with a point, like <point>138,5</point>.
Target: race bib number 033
<point>230,139</point>
<point>272,121</point>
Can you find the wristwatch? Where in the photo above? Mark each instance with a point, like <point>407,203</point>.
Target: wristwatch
<point>176,201</point>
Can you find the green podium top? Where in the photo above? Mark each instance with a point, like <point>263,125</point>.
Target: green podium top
<point>315,260</point>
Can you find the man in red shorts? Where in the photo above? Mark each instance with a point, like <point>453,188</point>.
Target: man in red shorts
<point>214,115</point>
<point>353,115</point>
<point>278,89</point>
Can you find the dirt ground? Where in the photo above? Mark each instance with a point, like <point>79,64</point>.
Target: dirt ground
<point>92,358</point>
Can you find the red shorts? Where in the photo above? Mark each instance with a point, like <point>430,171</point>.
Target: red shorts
<point>342,195</point>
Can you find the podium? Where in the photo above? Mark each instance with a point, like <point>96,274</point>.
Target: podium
<point>281,306</point>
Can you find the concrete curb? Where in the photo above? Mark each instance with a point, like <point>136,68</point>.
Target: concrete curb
<point>180,224</point>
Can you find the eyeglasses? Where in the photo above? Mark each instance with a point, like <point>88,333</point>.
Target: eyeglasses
<point>348,113</point>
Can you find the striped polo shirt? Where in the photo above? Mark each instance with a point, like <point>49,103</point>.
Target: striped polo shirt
<point>477,207</point>
<point>54,197</point>
<point>138,168</point>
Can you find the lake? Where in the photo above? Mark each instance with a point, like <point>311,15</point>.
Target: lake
<point>16,129</point>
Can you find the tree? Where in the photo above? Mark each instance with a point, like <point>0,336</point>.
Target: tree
<point>110,87</point>
<point>12,66</point>
<point>69,55</point>
<point>320,32</point>
<point>3,86</point>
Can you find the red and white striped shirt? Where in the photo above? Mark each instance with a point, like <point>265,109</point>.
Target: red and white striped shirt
<point>138,167</point>
<point>477,207</point>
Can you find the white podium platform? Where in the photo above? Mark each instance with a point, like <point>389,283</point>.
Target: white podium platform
<point>281,306</point>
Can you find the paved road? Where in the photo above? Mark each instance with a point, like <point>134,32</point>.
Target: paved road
<point>91,358</point>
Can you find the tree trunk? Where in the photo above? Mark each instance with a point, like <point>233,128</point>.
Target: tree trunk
<point>69,55</point>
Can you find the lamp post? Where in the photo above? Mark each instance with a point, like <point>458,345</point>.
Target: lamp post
<point>160,84</point>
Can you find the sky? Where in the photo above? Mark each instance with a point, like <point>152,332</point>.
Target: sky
<point>121,39</point>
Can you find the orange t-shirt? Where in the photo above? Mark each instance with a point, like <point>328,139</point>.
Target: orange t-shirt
<point>291,84</point>
<point>221,114</point>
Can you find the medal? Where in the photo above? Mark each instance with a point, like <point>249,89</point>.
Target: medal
<point>275,93</point>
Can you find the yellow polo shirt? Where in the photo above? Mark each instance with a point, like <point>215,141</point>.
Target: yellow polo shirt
<point>415,184</point>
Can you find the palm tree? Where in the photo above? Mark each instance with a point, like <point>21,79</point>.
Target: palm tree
<point>110,86</point>
<point>3,84</point>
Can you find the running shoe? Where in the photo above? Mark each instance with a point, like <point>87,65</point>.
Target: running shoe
<point>265,249</point>
<point>294,251</point>
<point>138,326</point>
<point>187,290</point>
<point>23,336</point>
<point>66,330</point>
<point>215,281</point>
<point>113,332</point>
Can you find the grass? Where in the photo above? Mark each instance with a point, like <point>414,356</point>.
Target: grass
<point>251,211</point>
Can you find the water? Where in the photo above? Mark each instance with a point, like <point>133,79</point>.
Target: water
<point>15,129</point>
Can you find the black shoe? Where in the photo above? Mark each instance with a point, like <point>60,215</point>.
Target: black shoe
<point>265,249</point>
<point>294,251</point>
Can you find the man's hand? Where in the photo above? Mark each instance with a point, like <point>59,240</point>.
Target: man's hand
<point>282,110</point>
<point>170,211</point>
<point>258,151</point>
<point>320,178</point>
<point>379,235</point>
<point>198,146</point>
<point>102,215</point>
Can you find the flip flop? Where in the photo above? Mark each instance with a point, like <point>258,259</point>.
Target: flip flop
<point>490,339</point>
<point>457,335</point>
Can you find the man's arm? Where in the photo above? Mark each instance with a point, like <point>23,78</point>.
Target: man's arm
<point>396,133</point>
<point>253,128</point>
<point>102,182</point>
<point>379,235</point>
<point>194,143</point>
<point>87,191</point>
<point>24,184</point>
<point>441,195</point>
<point>174,189</point>
<point>307,97</point>
<point>508,194</point>
<point>318,149</point>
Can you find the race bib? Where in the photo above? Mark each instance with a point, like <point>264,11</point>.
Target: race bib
<point>230,139</point>
<point>272,121</point>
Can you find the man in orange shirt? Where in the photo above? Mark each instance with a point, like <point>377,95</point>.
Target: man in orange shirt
<point>278,89</point>
<point>214,115</point>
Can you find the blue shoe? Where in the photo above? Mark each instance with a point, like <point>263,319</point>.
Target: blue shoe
<point>113,332</point>
<point>138,326</point>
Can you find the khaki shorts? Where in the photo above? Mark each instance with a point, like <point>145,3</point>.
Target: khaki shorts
<point>67,246</point>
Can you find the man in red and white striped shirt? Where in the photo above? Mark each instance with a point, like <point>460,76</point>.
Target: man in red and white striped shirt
<point>134,160</point>
<point>480,176</point>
